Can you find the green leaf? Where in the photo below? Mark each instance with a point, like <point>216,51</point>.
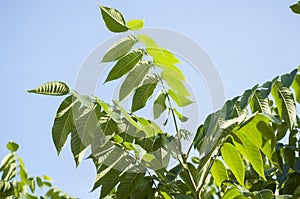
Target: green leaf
<point>55,88</point>
<point>287,79</point>
<point>143,93</point>
<point>6,189</point>
<point>285,103</point>
<point>149,43</point>
<point>259,104</point>
<point>134,79</point>
<point>113,19</point>
<point>77,147</point>
<point>181,117</point>
<point>12,146</point>
<point>173,173</point>
<point>162,56</point>
<point>86,123</point>
<point>171,70</point>
<point>296,8</point>
<point>250,152</point>
<point>119,49</point>
<point>247,97</point>
<point>125,64</point>
<point>180,100</point>
<point>125,114</point>
<point>129,184</point>
<point>135,24</point>
<point>159,105</point>
<point>234,161</point>
<point>175,84</point>
<point>266,89</point>
<point>39,182</point>
<point>109,110</point>
<point>144,190</point>
<point>219,172</point>
<point>263,194</point>
<point>296,87</point>
<point>63,122</point>
<point>258,130</point>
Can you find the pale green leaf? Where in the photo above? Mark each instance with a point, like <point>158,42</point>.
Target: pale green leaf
<point>175,84</point>
<point>125,64</point>
<point>125,114</point>
<point>171,70</point>
<point>162,56</point>
<point>180,100</point>
<point>135,24</point>
<point>285,103</point>
<point>143,93</point>
<point>119,49</point>
<point>234,161</point>
<point>296,87</point>
<point>181,117</point>
<point>258,130</point>
<point>55,88</point>
<point>109,110</point>
<point>159,105</point>
<point>149,43</point>
<point>219,172</point>
<point>86,123</point>
<point>113,19</point>
<point>134,79</point>
<point>249,151</point>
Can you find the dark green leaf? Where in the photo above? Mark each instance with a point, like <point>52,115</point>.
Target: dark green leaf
<point>129,184</point>
<point>266,89</point>
<point>287,79</point>
<point>77,147</point>
<point>63,123</point>
<point>247,97</point>
<point>285,103</point>
<point>113,19</point>
<point>6,189</point>
<point>125,64</point>
<point>55,88</point>
<point>118,49</point>
<point>296,8</point>
<point>143,93</point>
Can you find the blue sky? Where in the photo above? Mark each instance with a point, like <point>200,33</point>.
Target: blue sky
<point>249,42</point>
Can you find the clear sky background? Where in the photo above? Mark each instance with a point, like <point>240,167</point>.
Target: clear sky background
<point>249,41</point>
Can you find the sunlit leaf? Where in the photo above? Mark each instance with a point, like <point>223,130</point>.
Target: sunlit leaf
<point>113,19</point>
<point>180,100</point>
<point>149,42</point>
<point>135,24</point>
<point>259,104</point>
<point>12,146</point>
<point>162,56</point>
<point>175,84</point>
<point>55,88</point>
<point>234,161</point>
<point>219,172</point>
<point>296,87</point>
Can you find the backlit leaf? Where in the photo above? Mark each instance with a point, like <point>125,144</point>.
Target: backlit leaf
<point>219,172</point>
<point>234,161</point>
<point>180,100</point>
<point>135,24</point>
